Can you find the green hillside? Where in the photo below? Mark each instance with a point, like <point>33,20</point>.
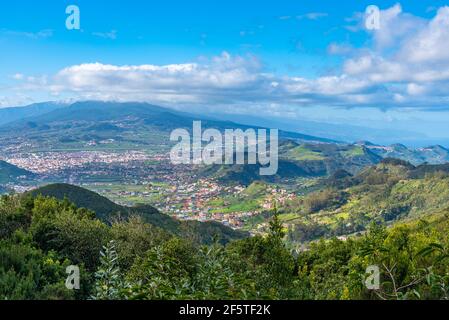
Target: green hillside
<point>108,211</point>
<point>133,260</point>
<point>8,115</point>
<point>391,191</point>
<point>11,173</point>
<point>298,161</point>
<point>247,174</point>
<point>302,153</point>
<point>83,198</point>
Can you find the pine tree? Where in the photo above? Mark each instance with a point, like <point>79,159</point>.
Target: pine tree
<point>276,228</point>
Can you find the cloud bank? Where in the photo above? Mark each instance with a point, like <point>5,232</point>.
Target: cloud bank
<point>405,65</point>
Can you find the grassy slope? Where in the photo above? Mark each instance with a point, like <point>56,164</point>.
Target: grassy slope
<point>387,192</point>
<point>302,153</point>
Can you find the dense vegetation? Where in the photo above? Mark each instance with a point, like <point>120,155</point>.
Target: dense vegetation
<point>390,192</point>
<point>131,259</point>
<point>297,161</point>
<point>10,173</point>
<point>108,211</point>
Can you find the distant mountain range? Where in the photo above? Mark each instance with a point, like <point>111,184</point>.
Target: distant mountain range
<point>8,115</point>
<point>336,131</point>
<point>432,154</point>
<point>326,159</point>
<point>124,125</point>
<point>327,131</point>
<point>94,125</point>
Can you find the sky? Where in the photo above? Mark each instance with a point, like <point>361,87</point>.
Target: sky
<point>301,59</point>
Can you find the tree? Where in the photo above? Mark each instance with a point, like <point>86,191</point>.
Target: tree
<point>109,284</point>
<point>276,228</point>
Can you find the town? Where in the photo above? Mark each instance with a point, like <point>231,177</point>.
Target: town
<point>136,177</point>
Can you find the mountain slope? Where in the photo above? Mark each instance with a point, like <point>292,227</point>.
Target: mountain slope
<point>432,155</point>
<point>392,191</point>
<point>103,207</point>
<point>8,115</point>
<point>10,173</point>
<point>340,132</point>
<point>299,160</point>
<point>246,174</point>
<point>128,125</point>
<point>106,210</point>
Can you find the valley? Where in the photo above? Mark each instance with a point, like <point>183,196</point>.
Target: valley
<point>82,175</point>
<point>212,158</point>
<point>123,155</point>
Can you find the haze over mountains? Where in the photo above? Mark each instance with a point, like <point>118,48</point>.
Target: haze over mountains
<point>12,114</point>
<point>133,125</point>
<point>123,125</point>
<point>337,131</point>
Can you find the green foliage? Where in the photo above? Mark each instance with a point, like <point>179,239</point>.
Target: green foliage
<point>109,284</point>
<point>268,262</point>
<point>405,256</point>
<point>131,259</point>
<point>324,199</point>
<point>60,226</point>
<point>108,212</point>
<point>133,238</point>
<point>28,273</point>
<point>390,192</point>
<point>165,271</point>
<point>14,215</point>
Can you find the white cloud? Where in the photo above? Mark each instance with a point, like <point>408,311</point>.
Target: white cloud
<point>112,35</point>
<point>221,78</point>
<point>430,44</point>
<point>395,26</point>
<point>409,57</point>
<point>414,89</point>
<point>340,48</point>
<point>32,35</point>
<point>398,69</point>
<point>18,76</point>
<point>313,15</point>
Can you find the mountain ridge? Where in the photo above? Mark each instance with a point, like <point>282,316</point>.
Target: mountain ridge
<point>10,173</point>
<point>166,118</point>
<point>137,125</point>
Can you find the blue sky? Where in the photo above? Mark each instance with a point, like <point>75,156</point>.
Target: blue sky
<point>297,59</point>
<point>164,32</point>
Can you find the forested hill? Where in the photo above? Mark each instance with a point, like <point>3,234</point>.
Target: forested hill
<point>131,260</point>
<point>108,211</point>
<point>11,173</point>
<point>83,198</point>
<point>392,191</point>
